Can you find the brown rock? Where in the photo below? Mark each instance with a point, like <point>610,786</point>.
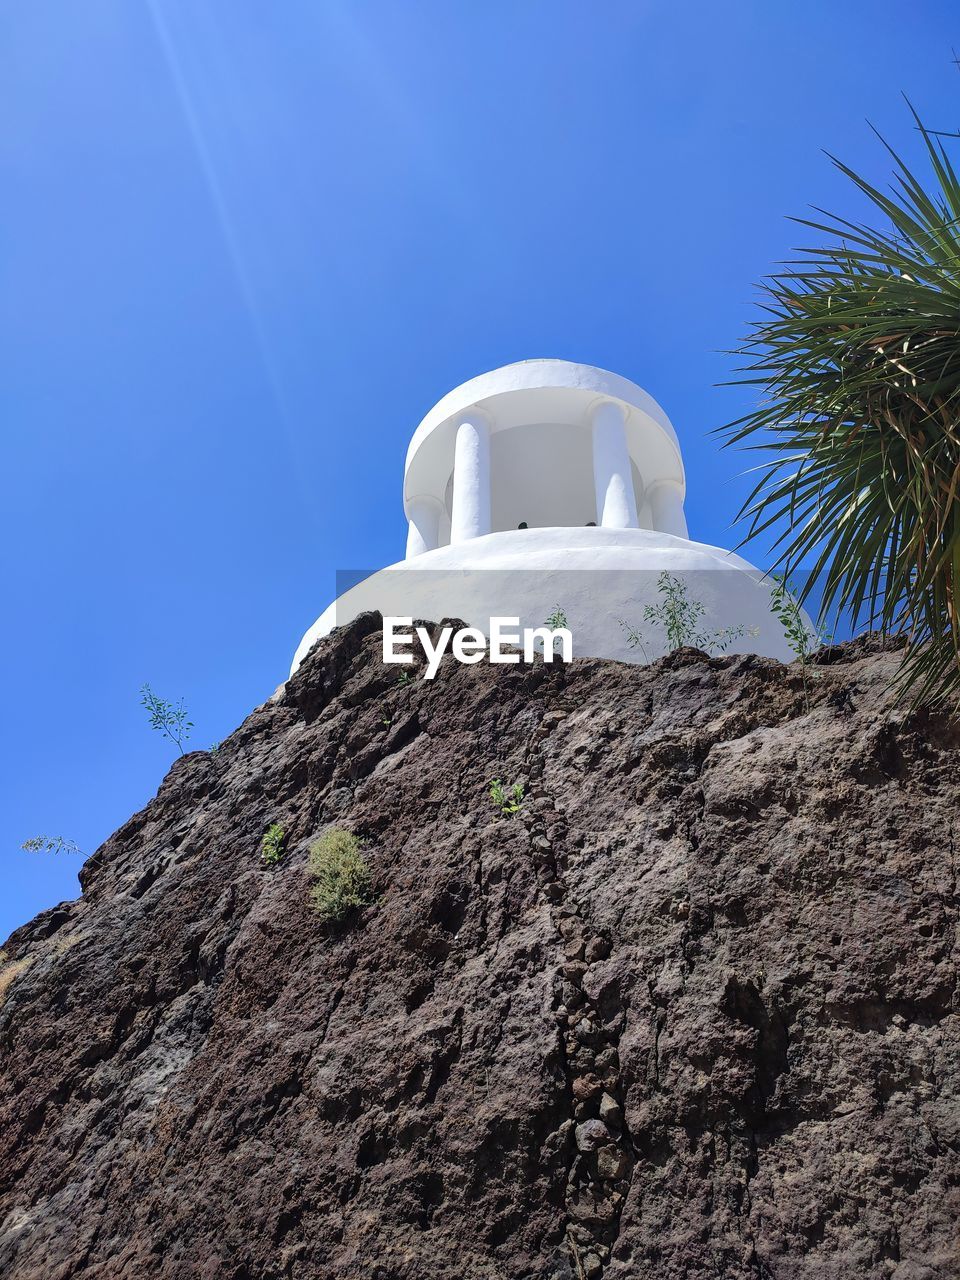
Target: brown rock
<point>591,1134</point>
<point>610,1110</point>
<point>199,1079</point>
<point>596,949</point>
<point>585,1087</point>
<point>611,1163</point>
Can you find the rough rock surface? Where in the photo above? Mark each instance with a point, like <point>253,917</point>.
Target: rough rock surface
<point>692,1012</point>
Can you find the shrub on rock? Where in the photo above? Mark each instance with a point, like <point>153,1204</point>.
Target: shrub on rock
<point>340,873</point>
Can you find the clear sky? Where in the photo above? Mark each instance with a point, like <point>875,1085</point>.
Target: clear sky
<point>245,246</point>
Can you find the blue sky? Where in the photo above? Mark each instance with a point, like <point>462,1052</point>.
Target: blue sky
<point>245,246</point>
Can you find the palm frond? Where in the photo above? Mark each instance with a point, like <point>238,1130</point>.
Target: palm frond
<point>857,355</point>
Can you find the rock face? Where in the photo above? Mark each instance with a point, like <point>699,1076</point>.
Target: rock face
<point>691,1012</point>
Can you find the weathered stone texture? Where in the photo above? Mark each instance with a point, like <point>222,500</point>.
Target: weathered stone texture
<point>692,1013</point>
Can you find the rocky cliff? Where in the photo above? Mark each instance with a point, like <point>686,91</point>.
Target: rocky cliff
<point>691,1012</point>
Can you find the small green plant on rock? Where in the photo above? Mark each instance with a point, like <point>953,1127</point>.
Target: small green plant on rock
<point>676,613</point>
<point>168,718</point>
<point>340,873</point>
<point>50,844</point>
<point>556,620</point>
<point>507,799</point>
<point>680,617</point>
<point>271,846</point>
<point>801,639</point>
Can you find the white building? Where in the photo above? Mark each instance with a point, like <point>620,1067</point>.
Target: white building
<point>547,485</point>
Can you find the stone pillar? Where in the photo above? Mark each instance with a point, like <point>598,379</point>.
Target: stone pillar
<point>616,501</point>
<point>423,529</point>
<point>666,509</point>
<point>470,517</point>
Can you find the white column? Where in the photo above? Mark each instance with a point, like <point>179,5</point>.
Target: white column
<point>470,517</point>
<point>616,501</point>
<point>423,530</point>
<point>666,509</point>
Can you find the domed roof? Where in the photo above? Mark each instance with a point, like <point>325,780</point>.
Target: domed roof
<point>538,393</point>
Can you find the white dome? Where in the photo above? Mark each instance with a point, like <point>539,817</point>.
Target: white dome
<point>539,418</point>
<point>550,485</point>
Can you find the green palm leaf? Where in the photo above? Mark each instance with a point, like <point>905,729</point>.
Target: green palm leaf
<point>857,355</point>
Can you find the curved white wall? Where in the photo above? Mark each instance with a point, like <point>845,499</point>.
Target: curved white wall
<point>599,577</point>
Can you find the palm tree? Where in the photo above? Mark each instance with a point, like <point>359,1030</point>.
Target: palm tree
<point>857,354</point>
